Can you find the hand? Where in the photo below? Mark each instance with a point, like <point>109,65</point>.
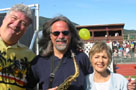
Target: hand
<point>53,88</point>
<point>131,84</point>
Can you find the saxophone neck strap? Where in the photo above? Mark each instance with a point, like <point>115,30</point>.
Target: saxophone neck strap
<point>53,70</point>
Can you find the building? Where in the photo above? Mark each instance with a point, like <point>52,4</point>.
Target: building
<point>106,32</point>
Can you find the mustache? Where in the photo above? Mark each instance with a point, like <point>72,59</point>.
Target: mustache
<point>61,40</point>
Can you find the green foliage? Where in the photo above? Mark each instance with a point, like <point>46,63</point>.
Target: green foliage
<point>129,31</point>
<point>42,20</point>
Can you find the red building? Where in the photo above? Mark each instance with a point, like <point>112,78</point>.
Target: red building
<point>106,32</point>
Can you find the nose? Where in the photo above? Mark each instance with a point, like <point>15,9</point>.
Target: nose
<point>100,59</point>
<point>16,23</point>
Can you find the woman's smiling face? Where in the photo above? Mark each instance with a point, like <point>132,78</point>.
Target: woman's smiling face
<point>100,61</point>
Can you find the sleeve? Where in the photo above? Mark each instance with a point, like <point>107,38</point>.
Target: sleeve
<point>120,81</point>
<point>31,77</point>
<point>87,83</point>
<point>124,84</point>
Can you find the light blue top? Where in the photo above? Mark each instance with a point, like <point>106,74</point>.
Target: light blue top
<point>117,82</point>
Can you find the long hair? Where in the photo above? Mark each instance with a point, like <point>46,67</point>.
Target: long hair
<point>45,43</point>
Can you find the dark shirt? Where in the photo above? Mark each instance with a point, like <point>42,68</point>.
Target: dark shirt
<point>41,69</point>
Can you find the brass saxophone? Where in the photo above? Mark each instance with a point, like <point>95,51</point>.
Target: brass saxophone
<point>68,81</point>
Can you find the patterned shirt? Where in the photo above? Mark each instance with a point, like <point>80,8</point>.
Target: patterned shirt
<point>14,63</point>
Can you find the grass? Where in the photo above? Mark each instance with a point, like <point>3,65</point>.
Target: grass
<point>132,77</point>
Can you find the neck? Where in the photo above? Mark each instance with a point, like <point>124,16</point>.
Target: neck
<point>7,44</point>
<point>101,77</point>
<point>59,54</point>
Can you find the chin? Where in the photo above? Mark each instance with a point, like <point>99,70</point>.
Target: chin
<point>100,70</point>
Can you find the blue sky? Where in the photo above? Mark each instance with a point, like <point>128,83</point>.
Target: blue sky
<point>85,12</point>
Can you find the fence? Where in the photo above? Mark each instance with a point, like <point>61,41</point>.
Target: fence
<point>125,60</point>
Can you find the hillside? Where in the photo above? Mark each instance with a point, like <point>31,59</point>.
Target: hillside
<point>129,31</point>
<point>42,20</point>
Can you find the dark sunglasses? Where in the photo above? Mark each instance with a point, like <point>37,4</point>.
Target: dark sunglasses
<point>57,33</point>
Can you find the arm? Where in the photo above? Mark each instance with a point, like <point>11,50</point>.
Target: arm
<point>32,80</point>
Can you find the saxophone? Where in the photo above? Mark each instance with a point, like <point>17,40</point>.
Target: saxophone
<point>68,81</point>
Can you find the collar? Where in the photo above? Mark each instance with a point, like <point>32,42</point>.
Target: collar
<point>18,44</point>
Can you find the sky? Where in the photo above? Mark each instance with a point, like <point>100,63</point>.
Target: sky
<point>85,12</point>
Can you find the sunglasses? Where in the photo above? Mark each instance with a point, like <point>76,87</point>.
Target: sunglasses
<point>57,33</point>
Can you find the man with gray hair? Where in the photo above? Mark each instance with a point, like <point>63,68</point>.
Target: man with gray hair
<point>14,56</point>
<point>56,62</point>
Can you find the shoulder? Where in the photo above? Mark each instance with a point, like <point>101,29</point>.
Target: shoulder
<point>89,79</point>
<point>81,55</point>
<point>116,75</point>
<point>26,51</point>
<point>119,77</point>
<point>119,81</point>
<point>23,51</point>
<point>23,47</point>
<point>82,58</point>
<point>40,59</point>
<point>84,63</point>
<point>89,76</point>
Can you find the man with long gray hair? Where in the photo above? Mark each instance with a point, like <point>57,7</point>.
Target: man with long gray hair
<point>14,56</point>
<point>55,64</point>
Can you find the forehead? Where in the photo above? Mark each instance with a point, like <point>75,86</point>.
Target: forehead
<point>19,15</point>
<point>100,52</point>
<point>60,25</point>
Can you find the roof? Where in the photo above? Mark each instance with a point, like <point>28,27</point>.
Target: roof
<point>101,25</point>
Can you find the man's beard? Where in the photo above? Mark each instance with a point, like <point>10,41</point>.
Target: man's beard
<point>61,47</point>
